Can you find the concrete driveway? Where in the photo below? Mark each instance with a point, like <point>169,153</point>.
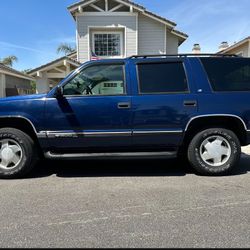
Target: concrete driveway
<point>130,203</point>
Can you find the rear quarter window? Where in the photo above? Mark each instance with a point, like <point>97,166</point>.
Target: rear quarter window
<point>228,74</point>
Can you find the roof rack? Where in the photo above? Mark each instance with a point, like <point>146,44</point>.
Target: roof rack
<point>182,55</point>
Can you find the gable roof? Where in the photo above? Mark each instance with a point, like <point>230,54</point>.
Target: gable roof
<point>72,8</point>
<point>9,71</point>
<point>247,39</point>
<point>79,3</point>
<point>67,57</point>
<point>135,5</point>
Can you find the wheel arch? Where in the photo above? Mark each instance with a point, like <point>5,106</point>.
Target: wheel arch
<point>19,122</point>
<point>227,121</point>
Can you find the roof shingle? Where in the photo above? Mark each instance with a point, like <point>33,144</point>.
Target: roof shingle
<point>55,61</point>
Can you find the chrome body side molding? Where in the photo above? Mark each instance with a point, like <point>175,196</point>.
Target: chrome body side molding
<point>216,115</point>
<point>72,134</point>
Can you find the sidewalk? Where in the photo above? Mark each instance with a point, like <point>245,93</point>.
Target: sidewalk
<point>246,150</point>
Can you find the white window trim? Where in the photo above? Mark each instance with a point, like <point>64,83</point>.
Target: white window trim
<point>123,52</point>
<point>77,40</point>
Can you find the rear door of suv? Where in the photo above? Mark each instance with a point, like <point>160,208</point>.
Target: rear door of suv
<point>163,101</point>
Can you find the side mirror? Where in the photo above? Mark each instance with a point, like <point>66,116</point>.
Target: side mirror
<point>59,92</point>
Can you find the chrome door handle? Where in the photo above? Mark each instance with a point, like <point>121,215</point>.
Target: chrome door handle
<point>124,105</point>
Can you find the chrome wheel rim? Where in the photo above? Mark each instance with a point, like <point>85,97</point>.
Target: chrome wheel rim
<point>215,151</point>
<point>10,154</point>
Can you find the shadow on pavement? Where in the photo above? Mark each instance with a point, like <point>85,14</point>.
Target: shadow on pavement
<point>122,168</point>
<point>110,168</point>
<point>244,166</point>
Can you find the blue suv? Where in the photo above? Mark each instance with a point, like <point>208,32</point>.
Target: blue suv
<point>196,107</point>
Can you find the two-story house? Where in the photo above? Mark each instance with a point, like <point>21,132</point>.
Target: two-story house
<point>111,29</point>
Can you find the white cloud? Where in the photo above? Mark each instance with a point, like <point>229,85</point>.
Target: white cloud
<point>58,40</point>
<point>7,46</point>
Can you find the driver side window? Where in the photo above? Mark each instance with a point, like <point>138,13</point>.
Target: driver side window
<point>97,80</point>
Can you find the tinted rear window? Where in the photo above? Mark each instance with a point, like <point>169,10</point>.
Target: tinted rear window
<point>228,74</point>
<point>162,78</point>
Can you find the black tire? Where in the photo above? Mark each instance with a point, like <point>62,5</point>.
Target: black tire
<point>29,153</point>
<point>200,165</point>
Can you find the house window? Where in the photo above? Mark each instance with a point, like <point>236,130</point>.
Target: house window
<point>107,44</point>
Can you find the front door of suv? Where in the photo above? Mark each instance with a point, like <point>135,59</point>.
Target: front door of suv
<point>163,102</point>
<point>94,113</point>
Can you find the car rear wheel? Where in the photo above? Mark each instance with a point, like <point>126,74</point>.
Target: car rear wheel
<point>214,151</point>
<point>18,153</point>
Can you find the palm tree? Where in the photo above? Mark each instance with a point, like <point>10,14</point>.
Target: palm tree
<point>65,48</point>
<point>9,60</point>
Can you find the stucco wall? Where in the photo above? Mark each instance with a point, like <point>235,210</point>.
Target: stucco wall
<point>12,82</point>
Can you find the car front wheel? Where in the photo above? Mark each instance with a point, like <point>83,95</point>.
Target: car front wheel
<point>214,151</point>
<point>18,153</point>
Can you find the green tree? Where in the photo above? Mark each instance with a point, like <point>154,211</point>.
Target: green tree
<point>33,87</point>
<point>65,48</point>
<point>9,60</point>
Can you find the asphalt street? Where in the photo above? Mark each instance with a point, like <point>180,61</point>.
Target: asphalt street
<point>128,203</point>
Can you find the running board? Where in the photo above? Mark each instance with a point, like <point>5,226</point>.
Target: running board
<point>50,155</point>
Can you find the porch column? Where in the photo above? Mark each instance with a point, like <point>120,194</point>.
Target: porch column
<point>42,83</point>
<point>2,85</point>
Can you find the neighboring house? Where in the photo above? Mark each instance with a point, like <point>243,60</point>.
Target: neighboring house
<point>13,82</point>
<point>111,29</point>
<point>50,74</point>
<point>241,48</point>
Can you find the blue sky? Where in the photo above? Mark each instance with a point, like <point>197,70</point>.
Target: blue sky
<point>32,29</point>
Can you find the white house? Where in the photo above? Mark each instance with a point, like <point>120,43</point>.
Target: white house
<point>48,75</point>
<point>111,29</point>
<point>241,48</point>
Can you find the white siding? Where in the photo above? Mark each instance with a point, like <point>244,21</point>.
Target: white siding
<point>172,44</point>
<point>151,35</point>
<point>84,22</point>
